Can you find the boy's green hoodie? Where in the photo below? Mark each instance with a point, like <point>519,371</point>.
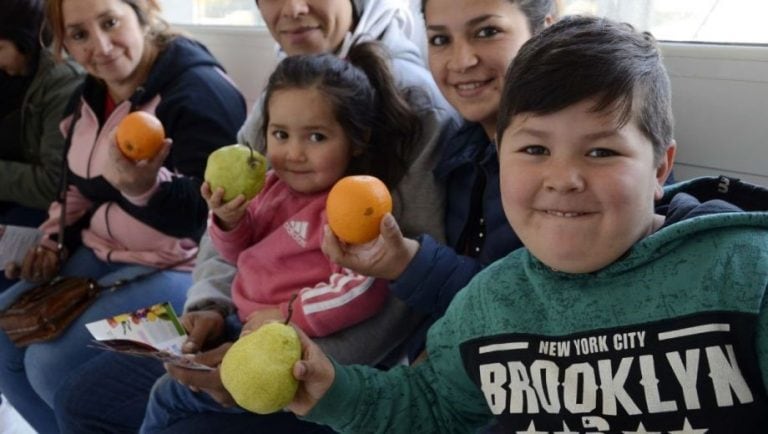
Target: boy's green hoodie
<point>671,338</point>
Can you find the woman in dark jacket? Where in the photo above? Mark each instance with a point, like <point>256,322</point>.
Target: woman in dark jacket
<point>471,44</point>
<point>35,90</point>
<point>33,93</point>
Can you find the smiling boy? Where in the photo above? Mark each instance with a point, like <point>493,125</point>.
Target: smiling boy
<point>580,190</point>
<point>617,316</point>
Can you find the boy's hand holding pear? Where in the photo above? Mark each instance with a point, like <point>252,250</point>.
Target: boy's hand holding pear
<point>276,366</point>
<point>315,374</point>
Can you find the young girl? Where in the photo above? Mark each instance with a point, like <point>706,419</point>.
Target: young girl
<point>324,119</point>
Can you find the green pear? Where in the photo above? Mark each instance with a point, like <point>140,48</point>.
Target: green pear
<point>238,170</point>
<point>257,370</point>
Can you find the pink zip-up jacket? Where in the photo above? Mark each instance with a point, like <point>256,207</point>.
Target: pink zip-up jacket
<point>276,247</point>
<point>200,110</point>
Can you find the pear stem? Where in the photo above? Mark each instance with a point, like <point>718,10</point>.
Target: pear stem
<point>290,308</point>
<point>252,158</point>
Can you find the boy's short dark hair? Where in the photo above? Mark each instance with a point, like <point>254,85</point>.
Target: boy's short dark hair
<point>588,57</point>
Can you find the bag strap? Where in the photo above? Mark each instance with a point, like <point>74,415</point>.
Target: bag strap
<point>63,179</point>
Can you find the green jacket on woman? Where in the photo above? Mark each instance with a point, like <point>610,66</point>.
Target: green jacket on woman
<point>30,166</point>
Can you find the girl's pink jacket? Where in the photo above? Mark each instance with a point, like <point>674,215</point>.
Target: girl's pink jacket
<point>276,247</point>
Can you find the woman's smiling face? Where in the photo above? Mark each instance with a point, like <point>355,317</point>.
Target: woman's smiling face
<point>104,36</point>
<point>471,44</point>
<point>307,26</point>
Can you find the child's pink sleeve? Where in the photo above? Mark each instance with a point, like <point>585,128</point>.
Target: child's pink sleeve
<point>231,243</point>
<point>249,230</point>
<point>347,298</point>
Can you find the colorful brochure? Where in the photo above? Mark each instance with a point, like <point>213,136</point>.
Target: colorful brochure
<point>153,331</point>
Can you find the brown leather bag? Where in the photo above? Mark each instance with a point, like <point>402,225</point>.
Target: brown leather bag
<point>45,311</point>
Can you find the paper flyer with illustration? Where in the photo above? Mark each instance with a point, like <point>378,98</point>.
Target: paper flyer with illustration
<point>153,331</point>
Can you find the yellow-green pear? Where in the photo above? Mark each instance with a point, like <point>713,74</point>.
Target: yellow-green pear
<point>238,169</point>
<point>257,370</point>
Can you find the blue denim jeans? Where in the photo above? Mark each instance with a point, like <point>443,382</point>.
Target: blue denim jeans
<point>107,394</point>
<point>174,409</point>
<point>31,376</point>
<point>245,423</point>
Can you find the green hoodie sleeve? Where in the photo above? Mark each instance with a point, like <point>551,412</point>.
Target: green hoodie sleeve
<point>34,181</point>
<point>436,396</point>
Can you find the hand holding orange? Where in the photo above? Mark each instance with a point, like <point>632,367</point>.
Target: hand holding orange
<point>355,206</point>
<point>140,136</point>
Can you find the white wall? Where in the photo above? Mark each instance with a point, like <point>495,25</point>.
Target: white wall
<point>720,102</point>
<point>720,98</point>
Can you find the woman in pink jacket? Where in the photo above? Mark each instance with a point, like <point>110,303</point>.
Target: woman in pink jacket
<point>122,218</point>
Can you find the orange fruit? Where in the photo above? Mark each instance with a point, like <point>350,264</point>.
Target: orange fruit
<point>355,206</point>
<point>140,136</point>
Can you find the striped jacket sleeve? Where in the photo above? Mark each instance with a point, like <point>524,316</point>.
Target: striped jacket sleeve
<point>346,298</point>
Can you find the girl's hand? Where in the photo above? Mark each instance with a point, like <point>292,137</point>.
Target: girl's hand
<point>386,257</point>
<point>41,264</point>
<point>134,178</point>
<point>203,327</point>
<point>315,373</point>
<point>228,214</point>
<point>259,317</point>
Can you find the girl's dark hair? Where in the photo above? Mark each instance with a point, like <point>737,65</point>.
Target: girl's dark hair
<point>535,11</point>
<point>586,57</point>
<point>375,116</point>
